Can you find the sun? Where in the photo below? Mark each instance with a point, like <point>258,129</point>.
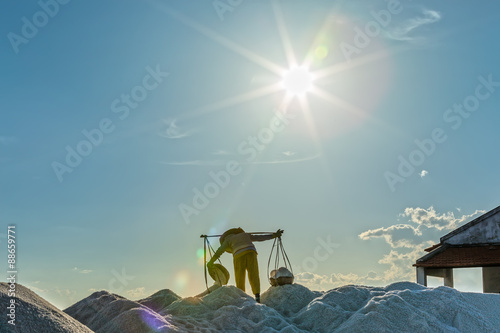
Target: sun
<point>297,81</point>
<point>295,78</point>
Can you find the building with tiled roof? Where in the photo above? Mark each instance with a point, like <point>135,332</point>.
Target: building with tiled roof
<point>475,244</point>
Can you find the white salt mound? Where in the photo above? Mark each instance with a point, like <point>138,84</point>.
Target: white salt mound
<point>159,300</point>
<point>34,314</point>
<point>399,307</point>
<point>106,312</point>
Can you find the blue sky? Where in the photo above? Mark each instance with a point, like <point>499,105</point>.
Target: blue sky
<point>171,92</point>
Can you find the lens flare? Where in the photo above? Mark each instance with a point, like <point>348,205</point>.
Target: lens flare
<point>321,52</point>
<point>199,253</point>
<point>200,256</point>
<point>153,321</point>
<point>181,280</point>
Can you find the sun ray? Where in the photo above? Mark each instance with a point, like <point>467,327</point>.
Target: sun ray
<point>314,133</point>
<point>337,101</point>
<point>235,100</point>
<point>251,167</point>
<point>255,58</point>
<point>291,92</point>
<point>358,62</point>
<point>285,38</point>
<point>327,23</point>
<point>285,103</point>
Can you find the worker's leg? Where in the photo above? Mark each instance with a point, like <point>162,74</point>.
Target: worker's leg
<point>253,272</point>
<point>239,272</point>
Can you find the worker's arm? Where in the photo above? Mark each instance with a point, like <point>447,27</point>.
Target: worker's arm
<point>219,252</point>
<point>260,238</point>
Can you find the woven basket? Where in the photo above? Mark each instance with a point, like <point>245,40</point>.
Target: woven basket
<point>219,274</point>
<point>281,277</point>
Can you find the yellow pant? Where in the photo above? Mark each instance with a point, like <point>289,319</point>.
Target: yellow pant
<point>247,262</point>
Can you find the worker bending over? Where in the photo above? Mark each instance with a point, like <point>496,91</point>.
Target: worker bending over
<point>239,243</point>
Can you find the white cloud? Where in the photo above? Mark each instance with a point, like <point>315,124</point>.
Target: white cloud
<point>428,218</point>
<point>174,132</point>
<point>37,290</point>
<point>423,173</point>
<point>136,293</point>
<point>65,292</point>
<point>303,159</point>
<point>314,281</point>
<point>81,271</point>
<point>401,263</point>
<point>224,162</point>
<point>289,153</point>
<point>340,279</point>
<point>324,282</point>
<point>408,241</point>
<point>221,152</point>
<point>397,236</point>
<point>197,162</point>
<point>402,32</point>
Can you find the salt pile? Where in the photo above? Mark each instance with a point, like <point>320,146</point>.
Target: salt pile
<point>106,312</point>
<point>34,314</point>
<point>159,300</point>
<point>399,307</point>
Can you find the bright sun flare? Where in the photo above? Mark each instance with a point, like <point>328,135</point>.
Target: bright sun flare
<point>297,80</point>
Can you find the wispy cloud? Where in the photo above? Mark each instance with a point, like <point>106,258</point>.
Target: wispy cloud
<point>81,271</point>
<point>223,162</point>
<point>429,218</point>
<point>175,132</point>
<point>397,236</point>
<point>325,282</point>
<point>404,30</point>
<point>197,162</point>
<point>289,153</point>
<point>408,241</point>
<point>136,293</point>
<point>221,152</point>
<point>425,223</point>
<point>36,289</point>
<point>65,292</point>
<point>281,161</point>
<point>423,173</point>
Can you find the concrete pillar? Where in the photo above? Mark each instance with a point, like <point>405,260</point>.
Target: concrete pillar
<point>445,273</point>
<point>491,279</point>
<point>421,276</point>
<point>448,277</point>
